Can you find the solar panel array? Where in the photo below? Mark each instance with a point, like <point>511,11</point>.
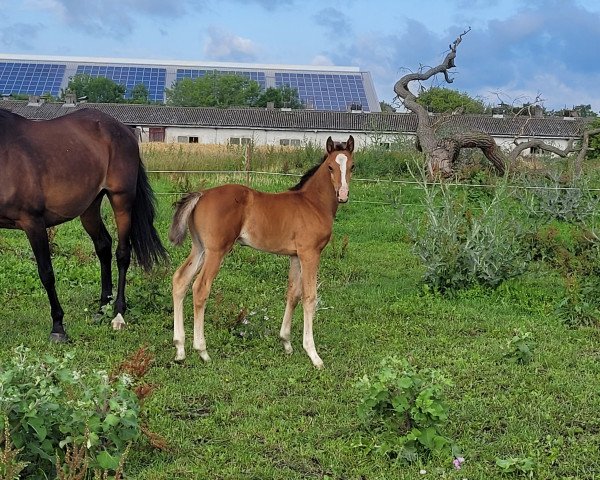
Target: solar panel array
<point>154,78</point>
<point>31,78</point>
<point>196,73</point>
<point>326,91</point>
<point>337,89</point>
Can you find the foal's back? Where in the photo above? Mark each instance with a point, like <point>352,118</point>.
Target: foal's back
<point>272,222</point>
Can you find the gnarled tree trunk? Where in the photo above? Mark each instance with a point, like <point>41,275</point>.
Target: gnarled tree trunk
<point>441,153</point>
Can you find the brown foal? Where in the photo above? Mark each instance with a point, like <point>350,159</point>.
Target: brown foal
<point>297,223</point>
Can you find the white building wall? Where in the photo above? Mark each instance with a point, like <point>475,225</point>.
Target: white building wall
<point>224,136</point>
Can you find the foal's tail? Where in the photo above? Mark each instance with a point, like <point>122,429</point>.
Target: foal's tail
<point>144,237</point>
<point>183,209</point>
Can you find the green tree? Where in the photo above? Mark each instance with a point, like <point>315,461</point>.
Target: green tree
<point>283,96</point>
<point>140,94</point>
<point>96,89</point>
<point>443,100</point>
<point>594,145</point>
<point>585,111</point>
<point>214,90</point>
<point>387,107</point>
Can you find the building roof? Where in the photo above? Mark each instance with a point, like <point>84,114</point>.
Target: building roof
<point>260,118</point>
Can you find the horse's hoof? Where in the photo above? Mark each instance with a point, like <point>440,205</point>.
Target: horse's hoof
<point>118,323</point>
<point>59,337</point>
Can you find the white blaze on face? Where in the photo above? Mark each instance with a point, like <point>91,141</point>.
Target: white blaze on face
<point>342,161</point>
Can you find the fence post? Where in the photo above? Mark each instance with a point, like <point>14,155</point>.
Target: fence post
<point>248,162</point>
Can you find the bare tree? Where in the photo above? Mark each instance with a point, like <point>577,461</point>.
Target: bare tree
<point>441,152</point>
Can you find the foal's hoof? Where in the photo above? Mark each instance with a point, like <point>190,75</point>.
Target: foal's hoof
<point>59,337</point>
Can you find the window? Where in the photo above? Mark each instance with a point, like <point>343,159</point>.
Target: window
<point>185,139</point>
<point>240,140</point>
<point>156,134</point>
<point>293,142</point>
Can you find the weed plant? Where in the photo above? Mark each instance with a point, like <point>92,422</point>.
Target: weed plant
<point>557,194</point>
<point>461,246</point>
<point>405,409</point>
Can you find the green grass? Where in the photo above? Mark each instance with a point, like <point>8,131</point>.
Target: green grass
<point>256,413</point>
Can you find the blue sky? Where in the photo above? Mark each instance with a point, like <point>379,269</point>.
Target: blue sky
<point>515,52</point>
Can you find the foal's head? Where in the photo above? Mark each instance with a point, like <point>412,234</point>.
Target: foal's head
<point>340,165</point>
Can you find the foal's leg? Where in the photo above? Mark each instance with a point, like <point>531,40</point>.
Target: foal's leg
<point>38,238</point>
<point>309,263</point>
<point>201,289</point>
<point>181,281</point>
<point>93,225</point>
<point>294,293</point>
<point>121,204</point>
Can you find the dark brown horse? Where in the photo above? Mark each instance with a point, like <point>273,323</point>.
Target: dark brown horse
<point>297,223</point>
<point>53,171</point>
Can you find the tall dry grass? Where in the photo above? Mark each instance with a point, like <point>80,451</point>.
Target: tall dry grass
<point>184,156</point>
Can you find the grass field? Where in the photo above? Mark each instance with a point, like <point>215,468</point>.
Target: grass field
<point>255,413</point>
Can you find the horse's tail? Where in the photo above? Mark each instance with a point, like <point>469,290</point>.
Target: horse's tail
<point>183,209</point>
<point>144,237</point>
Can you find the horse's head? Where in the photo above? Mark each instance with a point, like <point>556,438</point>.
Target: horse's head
<point>340,165</point>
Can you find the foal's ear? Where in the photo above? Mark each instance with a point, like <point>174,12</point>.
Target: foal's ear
<point>350,144</point>
<point>330,145</point>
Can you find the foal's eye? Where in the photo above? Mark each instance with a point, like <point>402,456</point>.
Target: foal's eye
<point>352,168</point>
<point>330,168</point>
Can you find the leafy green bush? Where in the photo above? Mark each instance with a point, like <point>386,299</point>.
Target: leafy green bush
<point>48,405</point>
<point>560,196</point>
<point>461,247</point>
<point>385,159</point>
<point>520,347</point>
<point>10,466</point>
<point>580,305</point>
<point>404,409</point>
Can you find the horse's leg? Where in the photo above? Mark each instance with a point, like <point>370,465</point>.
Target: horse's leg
<point>294,293</point>
<point>121,205</point>
<point>201,290</point>
<point>38,238</point>
<point>309,264</point>
<point>181,281</point>
<point>94,226</point>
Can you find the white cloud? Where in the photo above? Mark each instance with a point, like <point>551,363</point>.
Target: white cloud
<point>225,46</point>
<point>322,60</point>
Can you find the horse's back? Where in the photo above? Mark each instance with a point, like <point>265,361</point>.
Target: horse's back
<point>61,165</point>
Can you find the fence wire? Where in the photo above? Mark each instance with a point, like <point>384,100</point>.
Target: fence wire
<point>248,173</point>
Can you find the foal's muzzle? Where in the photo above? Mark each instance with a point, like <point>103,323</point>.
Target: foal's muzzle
<point>342,195</point>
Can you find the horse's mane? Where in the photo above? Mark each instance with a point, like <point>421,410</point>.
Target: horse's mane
<point>338,146</point>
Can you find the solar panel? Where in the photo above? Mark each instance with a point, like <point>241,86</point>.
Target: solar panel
<point>326,91</point>
<point>31,78</point>
<point>335,89</point>
<point>196,73</point>
<point>153,78</point>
